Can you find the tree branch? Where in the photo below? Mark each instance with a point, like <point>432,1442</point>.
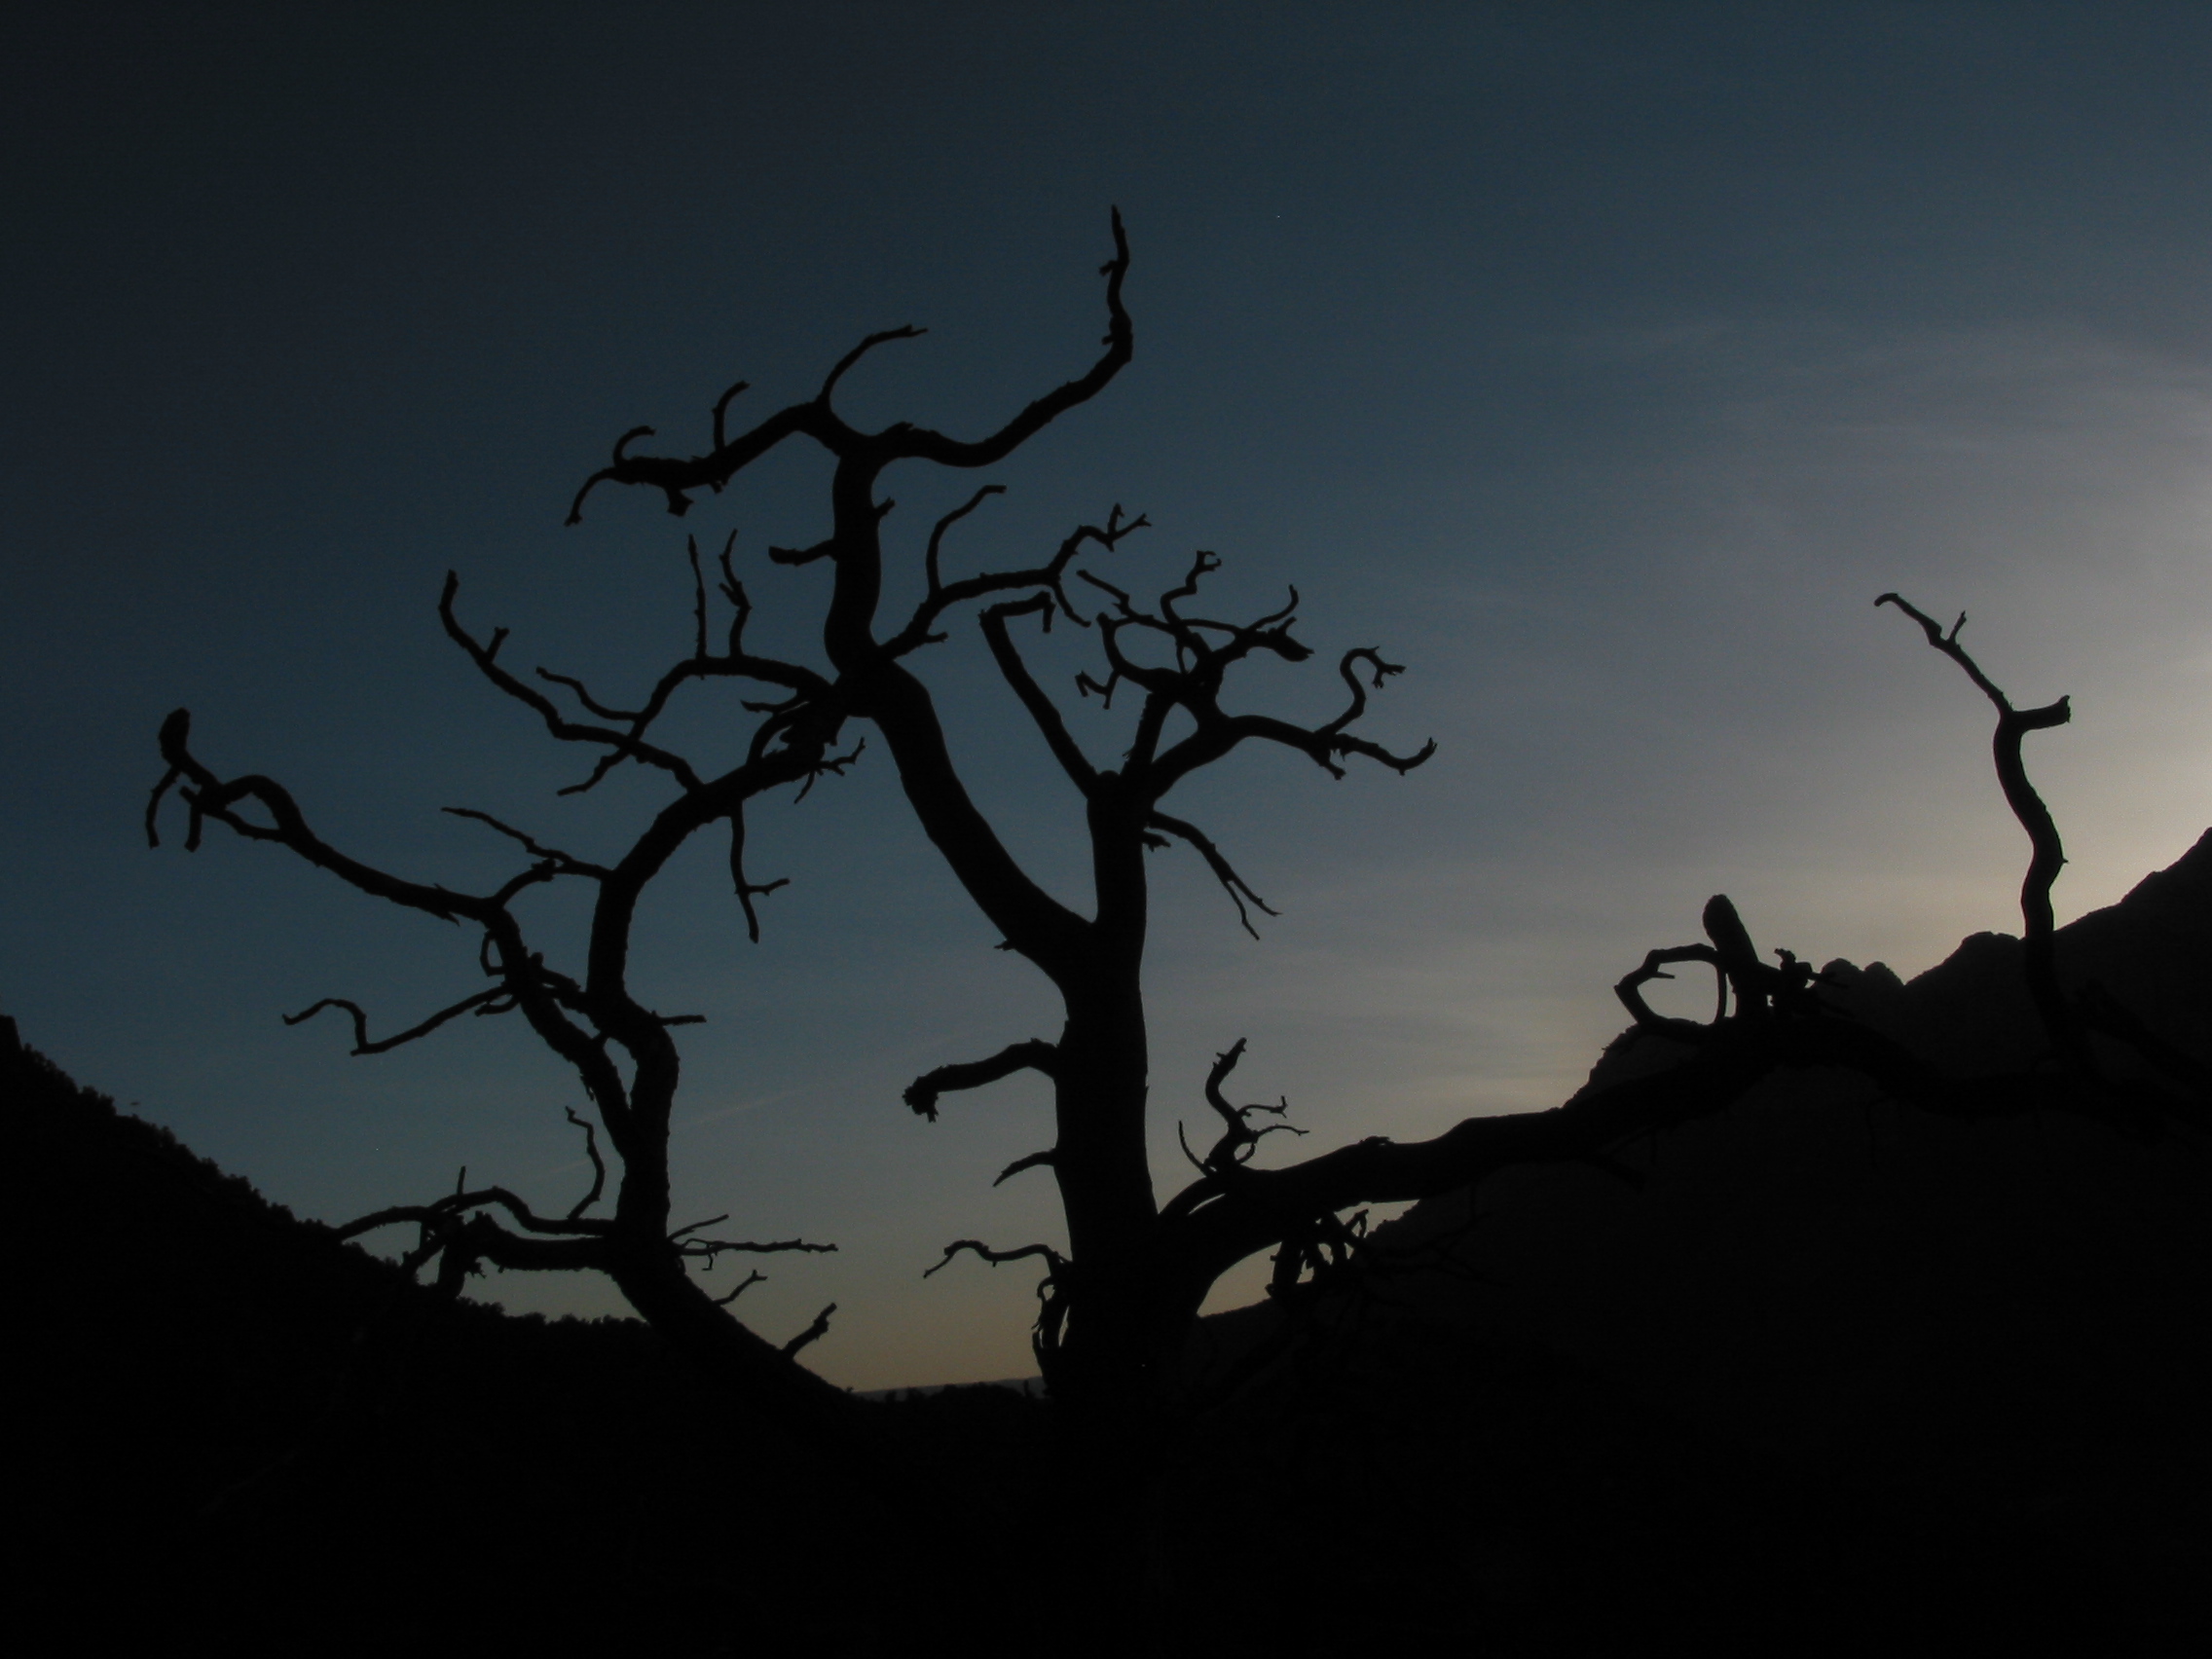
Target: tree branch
<point>1052,1258</point>
<point>1065,750</point>
<point>820,1328</point>
<point>906,331</point>
<point>206,796</point>
<point>712,1249</point>
<point>743,1285</point>
<point>2048,854</point>
<point>597,1165</point>
<point>1238,1139</point>
<point>1035,1055</point>
<point>1035,1161</point>
<point>1233,884</point>
<point>934,580</point>
<point>1051,576</point>
<point>459,1204</point>
<point>620,745</point>
<point>676,478</point>
<point>1323,748</point>
<point>748,889</point>
<point>1120,342</point>
<point>1382,672</point>
<point>566,863</point>
<point>498,1000</point>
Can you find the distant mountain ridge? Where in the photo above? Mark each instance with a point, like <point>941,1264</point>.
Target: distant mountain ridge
<point>1970,1012</point>
<point>1834,1375</point>
<point>1836,1282</point>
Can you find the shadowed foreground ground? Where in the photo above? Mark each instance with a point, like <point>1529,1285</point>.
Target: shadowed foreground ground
<point>1835,1378</point>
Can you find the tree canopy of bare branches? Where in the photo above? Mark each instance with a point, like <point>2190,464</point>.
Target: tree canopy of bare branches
<point>1120,1294</point>
<point>586,1014</point>
<point>1119,1301</point>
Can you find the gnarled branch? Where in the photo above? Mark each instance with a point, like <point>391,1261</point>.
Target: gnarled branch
<point>676,477</point>
<point>2048,855</point>
<point>1051,577</point>
<point>1035,1055</point>
<point>1656,962</point>
<point>459,1204</point>
<point>1051,1257</point>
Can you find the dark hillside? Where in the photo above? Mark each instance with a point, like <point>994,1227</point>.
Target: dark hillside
<point>229,1420</point>
<point>1839,1377</point>
<point>1970,1012</point>
<point>1836,1378</point>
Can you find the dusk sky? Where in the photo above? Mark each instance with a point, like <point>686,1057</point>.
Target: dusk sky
<point>1599,363</point>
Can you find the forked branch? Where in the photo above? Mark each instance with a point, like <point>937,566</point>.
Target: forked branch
<point>676,477</point>
<point>498,1000</point>
<point>1233,884</point>
<point>1049,578</point>
<point>459,1204</point>
<point>619,744</point>
<point>1238,1139</point>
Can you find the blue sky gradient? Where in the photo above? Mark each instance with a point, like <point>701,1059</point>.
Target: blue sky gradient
<point>1600,363</point>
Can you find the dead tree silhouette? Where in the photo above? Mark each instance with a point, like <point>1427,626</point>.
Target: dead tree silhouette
<point>1119,1303</point>
<point>588,1014</point>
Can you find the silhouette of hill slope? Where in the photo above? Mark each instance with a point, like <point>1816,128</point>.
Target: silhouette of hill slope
<point>1887,1365</point>
<point>231,1421</point>
<point>1970,1012</point>
<point>1838,1377</point>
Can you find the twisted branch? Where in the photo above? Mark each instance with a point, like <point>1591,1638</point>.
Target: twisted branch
<point>1035,1055</point>
<point>1052,1258</point>
<point>676,478</point>
<point>619,744</point>
<point>597,1165</point>
<point>459,1204</point>
<point>2048,855</point>
<point>1050,578</point>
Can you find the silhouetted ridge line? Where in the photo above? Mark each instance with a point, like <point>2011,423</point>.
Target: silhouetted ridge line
<point>41,1099</point>
<point>1958,1362</point>
<point>229,1420</point>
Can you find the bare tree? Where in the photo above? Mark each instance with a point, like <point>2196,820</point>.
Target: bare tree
<point>1118,1304</point>
<point>623,1054</point>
